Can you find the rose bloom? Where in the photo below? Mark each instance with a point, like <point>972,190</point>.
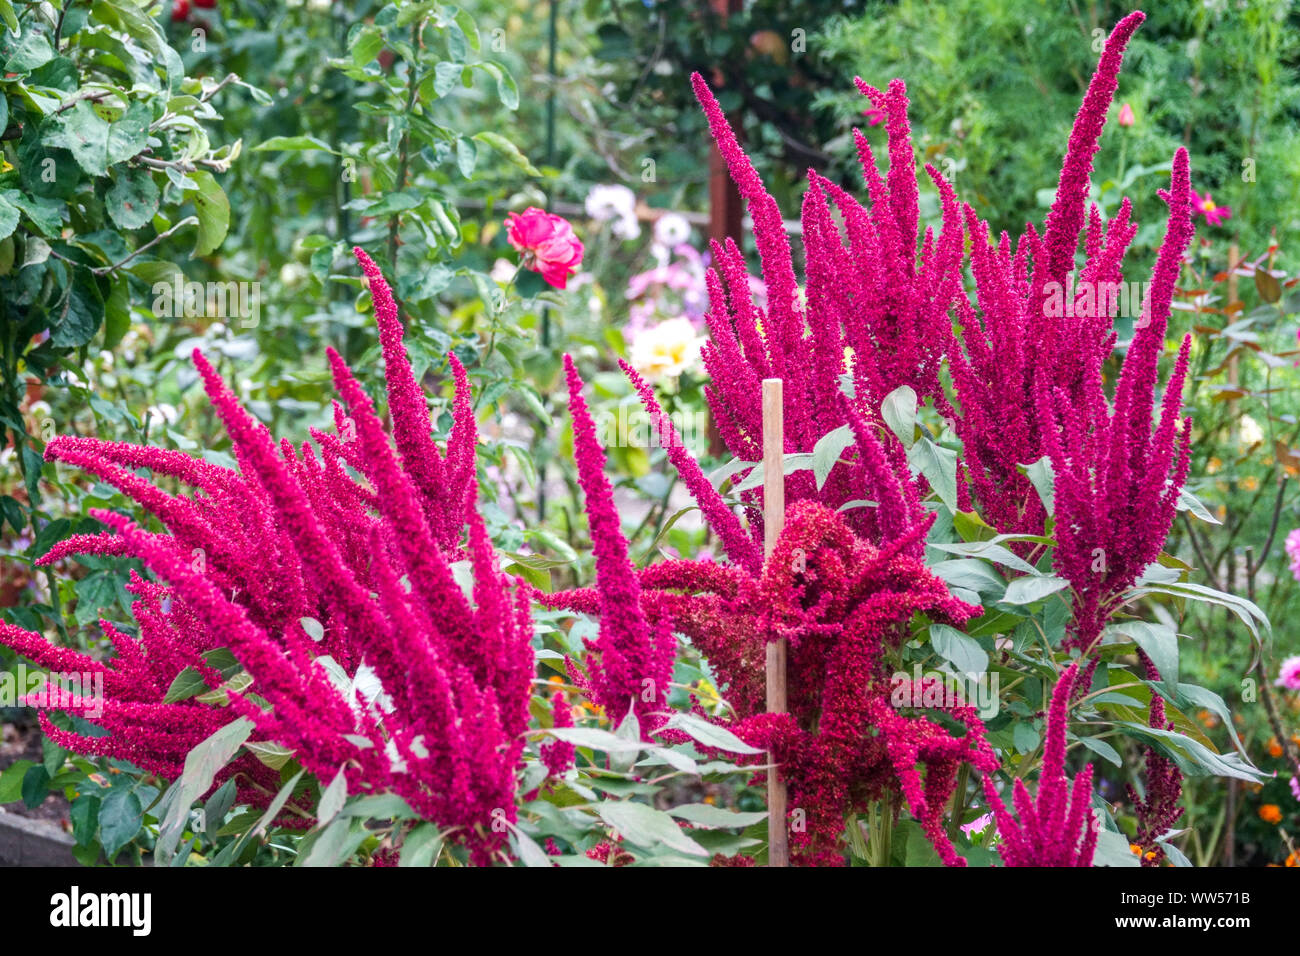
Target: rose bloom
<point>547,242</point>
<point>666,349</point>
<point>1288,675</point>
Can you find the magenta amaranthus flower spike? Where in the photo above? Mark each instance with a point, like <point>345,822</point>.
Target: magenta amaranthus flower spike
<point>1020,334</point>
<point>631,661</point>
<point>1117,482</point>
<point>1057,827</point>
<point>871,297</point>
<point>310,578</point>
<point>1158,811</point>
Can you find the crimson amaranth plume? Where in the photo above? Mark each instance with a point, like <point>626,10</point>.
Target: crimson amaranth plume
<point>320,586</point>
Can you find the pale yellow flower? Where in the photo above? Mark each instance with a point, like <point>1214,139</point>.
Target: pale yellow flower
<point>667,349</point>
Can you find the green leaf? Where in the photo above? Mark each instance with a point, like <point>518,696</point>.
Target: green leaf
<point>1113,850</point>
<point>972,575</point>
<point>11,780</point>
<point>647,827</point>
<point>13,513</point>
<point>507,149</point>
<point>1043,479</point>
<point>1033,590</point>
<point>1025,737</point>
<point>184,686</point>
<point>706,815</point>
<point>790,463</point>
<point>45,213</point>
<point>9,215</point>
<point>132,201</point>
<point>1189,502</point>
<point>466,155</point>
<point>272,811</point>
<point>295,144</point>
<point>380,806</point>
<point>1246,611</point>
<point>596,739</point>
<point>202,764</point>
<point>709,734</point>
<point>213,211</point>
<point>77,318</point>
<point>215,810</point>
<point>332,799</point>
<point>507,91</point>
<point>1158,641</point>
<point>1102,749</point>
<point>939,467</point>
<point>33,50</point>
<point>35,786</point>
<point>961,650</point>
<point>899,412</point>
<point>119,820</point>
<point>988,551</point>
<point>826,453</point>
<point>529,852</point>
<point>269,752</point>
<point>82,132</point>
<point>95,591</point>
<point>84,816</point>
<point>1193,757</point>
<point>129,134</point>
<point>421,846</point>
<point>336,843</point>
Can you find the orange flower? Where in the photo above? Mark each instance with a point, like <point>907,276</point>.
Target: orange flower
<point>1274,748</point>
<point>1291,860</point>
<point>1271,813</point>
<point>1208,719</point>
<point>1135,849</point>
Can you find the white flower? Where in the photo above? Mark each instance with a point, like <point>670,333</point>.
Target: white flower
<point>672,229</point>
<point>1251,433</point>
<point>606,202</point>
<point>626,227</point>
<point>666,349</point>
<point>161,414</point>
<point>291,273</point>
<point>503,270</point>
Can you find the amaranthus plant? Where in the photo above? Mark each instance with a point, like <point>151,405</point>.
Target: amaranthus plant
<point>356,651</point>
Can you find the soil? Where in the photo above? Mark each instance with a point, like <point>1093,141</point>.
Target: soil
<point>23,742</point>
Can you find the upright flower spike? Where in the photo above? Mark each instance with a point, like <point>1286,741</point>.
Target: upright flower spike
<point>1031,327</point>
<point>1057,827</point>
<point>632,662</point>
<point>456,677</point>
<point>1157,811</point>
<point>870,314</point>
<point>1117,479</point>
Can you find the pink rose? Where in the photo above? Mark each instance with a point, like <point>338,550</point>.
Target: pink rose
<point>547,243</point>
<point>1126,117</point>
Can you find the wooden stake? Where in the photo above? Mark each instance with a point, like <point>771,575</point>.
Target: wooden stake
<point>778,846</point>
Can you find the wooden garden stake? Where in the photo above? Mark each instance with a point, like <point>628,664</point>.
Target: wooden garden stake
<point>778,848</point>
